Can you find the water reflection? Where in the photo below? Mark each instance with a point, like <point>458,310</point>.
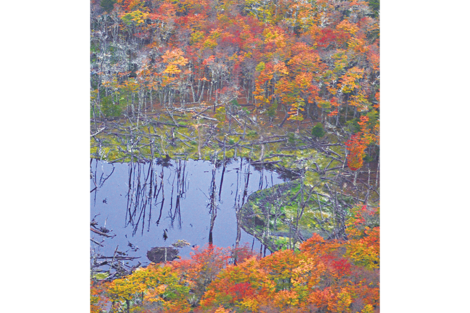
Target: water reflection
<point>154,204</point>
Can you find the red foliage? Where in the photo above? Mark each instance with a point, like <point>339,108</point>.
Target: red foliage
<point>240,291</point>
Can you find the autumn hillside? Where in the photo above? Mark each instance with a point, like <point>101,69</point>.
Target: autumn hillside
<point>315,60</point>
<point>288,84</point>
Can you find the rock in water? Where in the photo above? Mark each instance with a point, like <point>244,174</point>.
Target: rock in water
<point>162,254</point>
<point>180,243</point>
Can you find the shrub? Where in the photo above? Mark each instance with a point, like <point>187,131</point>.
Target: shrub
<point>109,108</point>
<point>318,130</point>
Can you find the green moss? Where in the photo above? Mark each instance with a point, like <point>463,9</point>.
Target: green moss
<point>230,153</point>
<point>281,203</point>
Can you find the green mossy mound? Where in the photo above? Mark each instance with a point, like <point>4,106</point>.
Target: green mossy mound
<point>275,214</point>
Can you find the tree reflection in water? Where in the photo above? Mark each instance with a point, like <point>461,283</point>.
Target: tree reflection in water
<point>151,198</point>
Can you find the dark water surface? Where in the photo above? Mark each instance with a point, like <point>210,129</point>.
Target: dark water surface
<point>155,204</point>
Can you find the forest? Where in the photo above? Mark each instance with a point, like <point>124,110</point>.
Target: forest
<point>281,99</point>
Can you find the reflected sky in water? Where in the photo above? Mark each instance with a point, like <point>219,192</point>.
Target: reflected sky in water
<point>144,203</point>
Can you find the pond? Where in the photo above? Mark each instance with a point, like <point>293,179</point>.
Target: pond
<point>154,204</point>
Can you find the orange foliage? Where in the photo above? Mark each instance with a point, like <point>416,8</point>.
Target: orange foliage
<point>356,146</point>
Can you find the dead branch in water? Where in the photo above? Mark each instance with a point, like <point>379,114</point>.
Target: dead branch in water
<point>100,233</point>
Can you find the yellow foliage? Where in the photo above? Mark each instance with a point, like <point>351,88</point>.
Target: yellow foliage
<point>210,43</point>
<point>196,37</point>
<point>368,309</point>
<point>344,301</point>
<point>347,26</point>
<point>249,304</point>
<point>172,69</point>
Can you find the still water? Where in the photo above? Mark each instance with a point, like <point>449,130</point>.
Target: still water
<point>155,204</point>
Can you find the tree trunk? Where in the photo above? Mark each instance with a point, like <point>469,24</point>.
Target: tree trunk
<point>377,174</point>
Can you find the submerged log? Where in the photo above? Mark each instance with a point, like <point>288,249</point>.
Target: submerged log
<point>162,254</point>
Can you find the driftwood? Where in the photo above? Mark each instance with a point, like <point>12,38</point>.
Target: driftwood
<point>94,241</point>
<point>99,131</point>
<point>209,118</point>
<point>101,232</point>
